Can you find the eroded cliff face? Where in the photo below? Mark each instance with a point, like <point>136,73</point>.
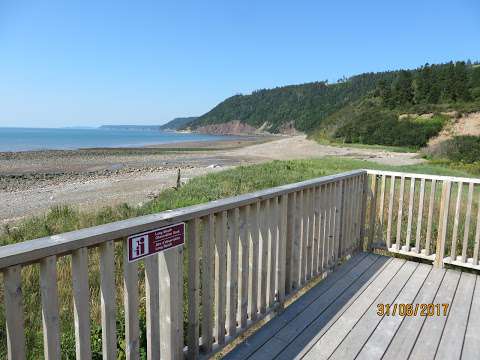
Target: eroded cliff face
<point>234,127</point>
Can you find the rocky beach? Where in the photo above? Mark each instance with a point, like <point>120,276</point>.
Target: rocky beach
<point>33,181</point>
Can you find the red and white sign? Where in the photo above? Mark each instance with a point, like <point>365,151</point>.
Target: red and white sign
<point>152,242</point>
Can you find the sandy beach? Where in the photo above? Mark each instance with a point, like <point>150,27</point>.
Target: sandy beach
<point>33,181</point>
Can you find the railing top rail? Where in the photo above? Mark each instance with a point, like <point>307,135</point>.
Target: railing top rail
<point>34,250</point>
<point>424,176</point>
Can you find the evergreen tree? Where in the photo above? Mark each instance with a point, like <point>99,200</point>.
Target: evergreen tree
<point>423,85</point>
<point>403,89</point>
<point>461,82</point>
<point>449,77</point>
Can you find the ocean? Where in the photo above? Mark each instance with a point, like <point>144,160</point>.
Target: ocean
<point>23,139</point>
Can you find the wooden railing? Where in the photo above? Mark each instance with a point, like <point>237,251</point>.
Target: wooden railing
<point>244,257</point>
<point>436,218</point>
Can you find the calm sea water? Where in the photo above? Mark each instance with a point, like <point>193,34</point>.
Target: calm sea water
<point>22,139</point>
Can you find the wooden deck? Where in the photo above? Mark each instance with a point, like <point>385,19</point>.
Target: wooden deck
<point>337,319</point>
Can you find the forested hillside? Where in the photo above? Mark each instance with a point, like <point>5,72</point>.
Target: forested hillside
<point>303,105</point>
<point>365,108</point>
<point>177,123</point>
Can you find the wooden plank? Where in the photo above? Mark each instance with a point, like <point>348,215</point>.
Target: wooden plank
<point>424,176</point>
<point>429,337</point>
<point>329,227</point>
<point>33,250</point>
<point>305,240</point>
<point>382,200</point>
<point>50,315</point>
<point>421,201</point>
<point>358,206</point>
<point>244,267</point>
<point>208,270</point>
<point>300,346</point>
<point>373,210</point>
<point>171,303</point>
<point>253,343</point>
<point>310,245</point>
<point>254,260</point>
<point>193,288</point>
<point>232,270</point>
<point>456,221</point>
<point>431,206</point>
<point>443,224</point>
<point>404,338</point>
<point>345,222</point>
<point>130,304</point>
<point>272,252</point>
<point>297,241</point>
<point>290,242</point>
<point>108,307</point>
<point>12,278</point>
<point>468,216</point>
<point>339,200</point>
<point>81,302</point>
<point>451,343</point>
<point>313,310</point>
<point>302,343</point>
<point>264,209</point>
<point>220,275</point>
<point>152,297</point>
<point>400,213</point>
<point>390,212</point>
<point>381,335</point>
<point>322,229</point>
<point>471,344</point>
<point>282,247</point>
<point>356,215</point>
<point>357,337</point>
<point>410,213</point>
<point>363,210</point>
<point>326,345</point>
<point>315,233</point>
<point>477,235</point>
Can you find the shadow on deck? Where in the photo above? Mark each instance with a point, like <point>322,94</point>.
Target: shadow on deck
<point>338,319</point>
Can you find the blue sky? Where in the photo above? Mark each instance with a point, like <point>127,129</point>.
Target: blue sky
<point>68,63</point>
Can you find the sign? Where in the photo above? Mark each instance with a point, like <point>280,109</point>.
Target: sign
<point>152,242</point>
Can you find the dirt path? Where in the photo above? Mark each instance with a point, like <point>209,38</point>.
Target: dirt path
<point>298,147</point>
<point>30,183</point>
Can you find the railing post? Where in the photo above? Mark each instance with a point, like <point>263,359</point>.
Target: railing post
<point>373,213</point>
<point>341,208</point>
<point>442,226</point>
<point>282,248</point>
<point>364,212</point>
<point>171,303</point>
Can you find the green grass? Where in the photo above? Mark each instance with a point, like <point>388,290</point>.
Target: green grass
<point>406,149</point>
<point>232,182</point>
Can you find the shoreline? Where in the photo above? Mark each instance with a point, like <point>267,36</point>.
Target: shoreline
<point>32,182</point>
<point>222,138</point>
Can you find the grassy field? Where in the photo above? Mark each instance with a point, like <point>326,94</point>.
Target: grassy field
<point>199,190</point>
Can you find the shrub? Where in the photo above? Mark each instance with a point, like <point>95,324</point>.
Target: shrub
<point>382,127</point>
<point>465,149</point>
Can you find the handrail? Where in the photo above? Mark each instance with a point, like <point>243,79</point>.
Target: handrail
<point>244,257</point>
<point>423,176</point>
<point>33,250</point>
<point>426,216</point>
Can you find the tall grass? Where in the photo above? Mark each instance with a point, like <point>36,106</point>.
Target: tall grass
<point>199,190</point>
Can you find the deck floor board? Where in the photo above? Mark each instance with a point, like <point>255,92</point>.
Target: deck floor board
<point>337,319</point>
